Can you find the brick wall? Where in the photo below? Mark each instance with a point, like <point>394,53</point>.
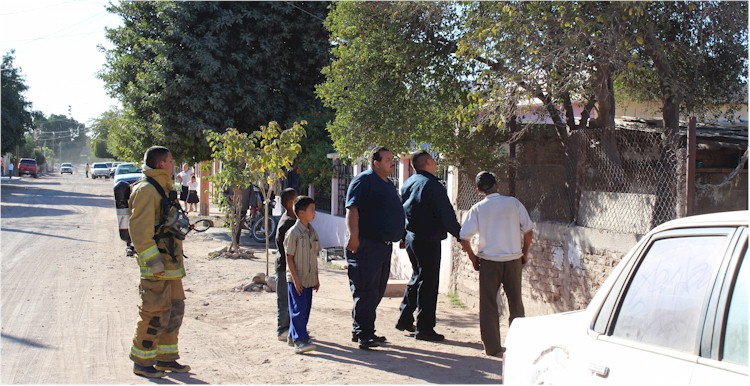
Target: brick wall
<point>568,264</point>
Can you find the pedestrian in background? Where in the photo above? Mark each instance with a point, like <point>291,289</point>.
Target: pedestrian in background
<point>288,219</point>
<point>374,220</point>
<point>86,168</point>
<point>178,183</point>
<point>302,245</point>
<point>192,198</point>
<point>10,169</point>
<point>161,262</point>
<point>185,178</point>
<point>505,235</point>
<point>429,219</point>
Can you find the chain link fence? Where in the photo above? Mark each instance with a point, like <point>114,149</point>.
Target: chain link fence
<point>620,180</point>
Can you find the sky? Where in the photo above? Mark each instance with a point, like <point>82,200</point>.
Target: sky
<point>55,44</point>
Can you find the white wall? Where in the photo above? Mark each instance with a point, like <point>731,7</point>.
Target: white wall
<point>332,232</point>
<point>331,229</point>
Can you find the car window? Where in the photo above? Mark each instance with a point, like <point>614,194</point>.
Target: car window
<point>663,302</point>
<point>122,169</point>
<point>28,162</point>
<point>736,332</point>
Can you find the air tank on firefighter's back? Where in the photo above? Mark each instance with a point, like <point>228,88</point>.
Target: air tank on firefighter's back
<point>122,195</point>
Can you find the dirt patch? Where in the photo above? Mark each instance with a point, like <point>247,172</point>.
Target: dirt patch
<point>229,336</point>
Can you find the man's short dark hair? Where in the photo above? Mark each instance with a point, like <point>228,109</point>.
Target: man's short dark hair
<point>154,155</point>
<point>419,159</point>
<point>486,182</point>
<point>375,154</point>
<point>287,195</point>
<point>302,202</point>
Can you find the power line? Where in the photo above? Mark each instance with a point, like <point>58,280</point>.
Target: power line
<point>313,15</point>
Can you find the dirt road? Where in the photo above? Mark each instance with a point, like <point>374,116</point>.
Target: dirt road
<point>69,305</point>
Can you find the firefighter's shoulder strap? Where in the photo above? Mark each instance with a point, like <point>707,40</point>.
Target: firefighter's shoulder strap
<point>159,230</point>
<point>166,203</point>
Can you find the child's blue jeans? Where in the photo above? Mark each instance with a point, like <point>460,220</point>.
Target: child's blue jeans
<point>299,312</point>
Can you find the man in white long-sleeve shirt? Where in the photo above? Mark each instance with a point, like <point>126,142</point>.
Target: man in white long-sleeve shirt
<point>505,232</point>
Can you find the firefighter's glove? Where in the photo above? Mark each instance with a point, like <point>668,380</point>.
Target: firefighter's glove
<point>157,269</point>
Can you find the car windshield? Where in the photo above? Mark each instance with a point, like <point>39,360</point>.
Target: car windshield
<point>67,165</point>
<point>127,168</point>
<point>100,166</point>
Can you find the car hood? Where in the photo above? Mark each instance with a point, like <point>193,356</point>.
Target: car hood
<point>128,177</point>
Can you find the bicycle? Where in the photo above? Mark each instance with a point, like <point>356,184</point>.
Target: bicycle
<point>256,224</point>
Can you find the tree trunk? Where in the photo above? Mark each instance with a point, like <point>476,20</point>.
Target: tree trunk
<point>666,187</point>
<point>235,218</point>
<point>605,96</point>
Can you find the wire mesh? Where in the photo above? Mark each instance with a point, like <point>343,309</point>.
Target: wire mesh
<point>619,180</point>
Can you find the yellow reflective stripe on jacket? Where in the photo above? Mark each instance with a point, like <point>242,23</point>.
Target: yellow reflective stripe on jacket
<point>167,349</point>
<point>149,254</point>
<point>169,274</point>
<point>142,354</point>
<point>174,273</point>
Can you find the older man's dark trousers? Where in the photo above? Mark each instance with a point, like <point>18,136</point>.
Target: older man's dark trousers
<point>422,290</point>
<point>368,270</point>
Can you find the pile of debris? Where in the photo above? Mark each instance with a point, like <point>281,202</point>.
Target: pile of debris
<point>242,253</point>
<point>259,283</point>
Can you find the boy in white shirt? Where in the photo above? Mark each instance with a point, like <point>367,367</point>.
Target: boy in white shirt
<point>505,233</point>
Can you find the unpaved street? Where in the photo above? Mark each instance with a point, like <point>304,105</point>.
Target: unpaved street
<point>69,305</point>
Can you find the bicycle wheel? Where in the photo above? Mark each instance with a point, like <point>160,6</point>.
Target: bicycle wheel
<point>259,232</point>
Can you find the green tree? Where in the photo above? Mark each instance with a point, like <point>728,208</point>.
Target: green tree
<point>16,116</point>
<point>517,52</point>
<point>394,80</point>
<point>185,68</point>
<point>66,136</point>
<point>691,56</point>
<point>312,163</point>
<point>261,157</point>
<point>28,150</point>
<point>119,134</point>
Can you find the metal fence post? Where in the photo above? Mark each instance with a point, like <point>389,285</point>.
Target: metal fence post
<point>690,168</point>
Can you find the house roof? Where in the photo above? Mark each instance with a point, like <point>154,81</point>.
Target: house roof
<point>722,133</point>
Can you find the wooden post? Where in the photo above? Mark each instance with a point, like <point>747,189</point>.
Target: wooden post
<point>512,159</point>
<point>690,168</point>
<point>203,193</point>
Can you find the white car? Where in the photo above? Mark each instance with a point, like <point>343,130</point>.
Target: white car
<point>673,311</point>
<point>127,172</point>
<point>66,168</point>
<point>99,169</point>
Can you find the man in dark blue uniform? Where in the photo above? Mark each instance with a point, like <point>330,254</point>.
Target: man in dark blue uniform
<point>429,217</point>
<point>374,220</point>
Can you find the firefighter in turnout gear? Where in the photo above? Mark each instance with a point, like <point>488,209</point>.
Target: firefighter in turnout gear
<point>160,259</point>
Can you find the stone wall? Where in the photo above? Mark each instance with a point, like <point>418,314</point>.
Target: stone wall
<point>567,265</point>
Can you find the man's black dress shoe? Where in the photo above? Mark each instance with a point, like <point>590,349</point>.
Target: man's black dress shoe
<point>430,336</point>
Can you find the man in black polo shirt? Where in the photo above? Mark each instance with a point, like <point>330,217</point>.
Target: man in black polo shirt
<point>374,220</point>
<point>429,217</point>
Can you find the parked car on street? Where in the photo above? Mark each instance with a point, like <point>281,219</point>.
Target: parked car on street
<point>66,168</point>
<point>28,166</point>
<point>674,310</point>
<point>99,169</point>
<point>113,168</point>
<point>127,172</point>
